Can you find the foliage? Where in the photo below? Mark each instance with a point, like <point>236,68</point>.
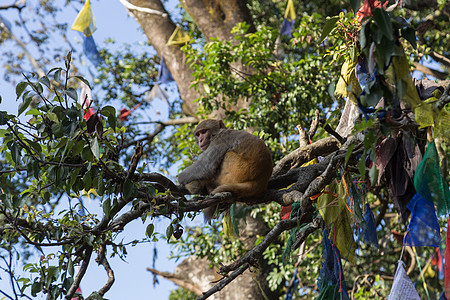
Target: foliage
<point>182,294</point>
<point>57,158</point>
<point>283,89</point>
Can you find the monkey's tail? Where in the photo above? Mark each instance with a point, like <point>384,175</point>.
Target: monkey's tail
<point>208,213</point>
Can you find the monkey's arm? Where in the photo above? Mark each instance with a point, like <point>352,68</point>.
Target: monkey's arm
<point>206,166</point>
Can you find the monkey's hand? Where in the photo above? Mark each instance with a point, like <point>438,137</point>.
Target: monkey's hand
<point>182,189</point>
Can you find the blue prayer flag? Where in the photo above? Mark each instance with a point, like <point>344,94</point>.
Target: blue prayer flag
<point>90,49</point>
<point>423,228</point>
<point>369,232</point>
<point>286,27</point>
<point>164,75</point>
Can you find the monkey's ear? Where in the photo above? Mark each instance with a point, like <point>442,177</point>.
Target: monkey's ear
<point>222,124</point>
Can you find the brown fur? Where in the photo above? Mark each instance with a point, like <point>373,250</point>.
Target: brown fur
<point>233,161</point>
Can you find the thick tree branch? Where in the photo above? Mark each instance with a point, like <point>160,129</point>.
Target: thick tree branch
<point>178,281</point>
<point>224,282</point>
<point>444,99</point>
<point>302,155</point>
<point>438,74</point>
<point>440,58</point>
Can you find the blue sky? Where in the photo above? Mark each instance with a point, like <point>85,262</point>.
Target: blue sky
<point>132,279</point>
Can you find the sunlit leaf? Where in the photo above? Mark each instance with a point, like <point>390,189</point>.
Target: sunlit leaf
<point>328,27</point>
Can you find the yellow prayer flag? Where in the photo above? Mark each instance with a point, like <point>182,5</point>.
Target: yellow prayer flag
<point>290,11</point>
<point>85,22</point>
<point>424,115</point>
<point>348,85</point>
<point>178,37</point>
<point>399,74</point>
<point>442,124</point>
<point>333,209</point>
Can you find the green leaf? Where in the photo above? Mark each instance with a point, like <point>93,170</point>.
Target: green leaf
<point>373,175</point>
<point>149,230</point>
<point>128,189</point>
<point>52,273</point>
<point>362,34</point>
<point>25,103</point>
<point>57,130</point>
<point>70,268</point>
<point>78,147</point>
<point>112,120</point>
<point>3,117</point>
<point>72,93</point>
<point>329,26</point>
<point>383,21</point>
<point>15,153</point>
<point>100,185</point>
<point>36,288</point>
<point>82,79</point>
<point>349,152</point>
<point>108,111</point>
<point>409,34</point>
<point>57,75</point>
<point>95,148</point>
<point>52,117</point>
<point>20,88</point>
<point>107,207</point>
<point>38,87</point>
<point>45,81</point>
<point>86,154</point>
<point>169,232</point>
<point>355,5</point>
<point>362,166</point>
<point>33,112</point>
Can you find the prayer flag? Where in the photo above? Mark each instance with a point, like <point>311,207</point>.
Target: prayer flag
<point>156,93</point>
<point>369,232</point>
<point>402,287</point>
<point>178,37</point>
<point>286,27</point>
<point>164,75</point>
<point>85,22</point>
<point>423,229</point>
<point>447,262</point>
<point>429,182</point>
<point>290,11</point>
<point>90,49</point>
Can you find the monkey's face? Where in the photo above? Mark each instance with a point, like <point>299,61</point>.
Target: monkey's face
<point>203,137</point>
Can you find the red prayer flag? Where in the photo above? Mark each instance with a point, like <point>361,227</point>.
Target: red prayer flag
<point>285,212</point>
<point>89,113</point>
<point>447,263</point>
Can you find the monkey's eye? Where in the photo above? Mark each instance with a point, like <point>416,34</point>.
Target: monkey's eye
<point>203,131</point>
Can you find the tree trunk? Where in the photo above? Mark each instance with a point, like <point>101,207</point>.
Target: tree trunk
<point>195,274</point>
<point>213,18</point>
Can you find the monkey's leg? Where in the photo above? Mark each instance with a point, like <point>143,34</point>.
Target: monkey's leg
<point>196,187</point>
<point>241,190</point>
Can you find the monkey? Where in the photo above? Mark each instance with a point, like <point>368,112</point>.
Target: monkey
<point>232,161</point>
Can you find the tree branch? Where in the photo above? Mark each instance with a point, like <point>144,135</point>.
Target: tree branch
<point>178,281</point>
<point>73,288</point>
<point>438,74</point>
<point>301,155</point>
<point>224,282</point>
<point>101,260</point>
